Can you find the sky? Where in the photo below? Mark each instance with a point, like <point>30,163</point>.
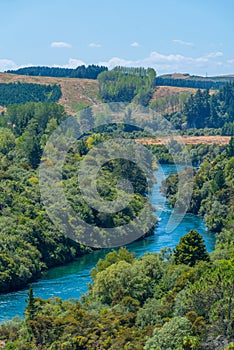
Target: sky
<point>183,36</point>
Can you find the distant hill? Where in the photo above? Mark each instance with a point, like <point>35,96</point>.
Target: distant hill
<point>82,72</point>
<point>193,81</point>
<point>170,93</point>
<point>85,92</point>
<point>92,72</point>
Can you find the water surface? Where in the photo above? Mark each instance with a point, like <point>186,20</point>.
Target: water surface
<point>71,281</point>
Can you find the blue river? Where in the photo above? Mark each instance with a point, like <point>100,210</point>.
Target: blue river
<point>71,280</point>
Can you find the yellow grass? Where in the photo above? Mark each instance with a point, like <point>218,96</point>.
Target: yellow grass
<point>75,91</point>
<point>188,140</point>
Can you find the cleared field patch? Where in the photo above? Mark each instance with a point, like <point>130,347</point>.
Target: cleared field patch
<point>189,140</point>
<point>75,92</point>
<point>164,91</point>
<point>171,99</point>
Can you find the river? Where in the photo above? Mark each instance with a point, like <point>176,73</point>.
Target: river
<point>71,281</point>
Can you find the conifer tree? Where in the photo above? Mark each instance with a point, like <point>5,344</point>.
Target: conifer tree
<point>191,249</point>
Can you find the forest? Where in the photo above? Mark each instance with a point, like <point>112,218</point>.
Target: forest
<point>200,110</point>
<point>212,83</point>
<point>177,299</point>
<point>83,72</point>
<point>127,85</point>
<point>212,111</point>
<point>35,244</point>
<point>213,191</point>
<point>15,93</point>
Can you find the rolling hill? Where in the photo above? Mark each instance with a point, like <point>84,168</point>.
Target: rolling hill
<point>171,90</point>
<point>75,92</point>
<point>78,93</point>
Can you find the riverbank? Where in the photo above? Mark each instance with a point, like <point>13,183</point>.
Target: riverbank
<point>71,281</point>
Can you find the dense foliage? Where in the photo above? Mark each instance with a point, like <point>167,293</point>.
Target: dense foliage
<point>193,81</point>
<point>196,153</point>
<point>153,302</point>
<point>13,93</point>
<point>209,112</point>
<point>170,104</point>
<point>213,191</point>
<point>228,129</point>
<point>89,72</point>
<point>191,249</point>
<point>181,299</point>
<point>212,111</point>
<point>29,242</point>
<point>127,84</point>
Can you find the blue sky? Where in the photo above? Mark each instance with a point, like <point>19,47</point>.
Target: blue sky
<point>193,36</point>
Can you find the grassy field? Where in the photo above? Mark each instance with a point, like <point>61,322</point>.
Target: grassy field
<point>187,140</point>
<point>164,91</point>
<point>75,92</point>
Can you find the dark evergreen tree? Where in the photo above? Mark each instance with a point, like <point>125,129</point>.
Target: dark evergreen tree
<point>30,309</point>
<point>191,249</point>
<point>197,109</point>
<point>214,120</point>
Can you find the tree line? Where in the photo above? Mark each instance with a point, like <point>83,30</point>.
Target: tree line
<point>213,111</point>
<point>193,82</point>
<point>83,72</point>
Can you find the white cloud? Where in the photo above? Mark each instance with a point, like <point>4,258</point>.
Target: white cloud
<point>6,64</point>
<point>215,54</point>
<point>162,63</point>
<point>60,45</point>
<point>171,63</point>
<point>72,63</point>
<point>135,44</point>
<point>94,45</point>
<point>116,61</point>
<point>182,42</point>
